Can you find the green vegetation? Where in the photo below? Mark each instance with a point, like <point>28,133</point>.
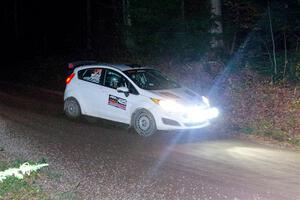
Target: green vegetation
<point>247,130</point>
<point>295,141</point>
<point>13,188</point>
<point>261,108</point>
<point>278,135</point>
<point>296,104</point>
<point>266,129</point>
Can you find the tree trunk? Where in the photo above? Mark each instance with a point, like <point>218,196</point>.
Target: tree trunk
<point>216,10</point>
<point>285,53</point>
<point>272,38</point>
<point>127,40</point>
<point>233,43</point>
<point>126,14</point>
<point>182,10</point>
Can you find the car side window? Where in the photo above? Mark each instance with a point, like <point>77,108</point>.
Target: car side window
<point>93,75</point>
<point>114,80</point>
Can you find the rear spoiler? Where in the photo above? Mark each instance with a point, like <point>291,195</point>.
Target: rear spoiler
<point>73,65</point>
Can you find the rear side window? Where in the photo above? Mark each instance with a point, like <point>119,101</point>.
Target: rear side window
<point>93,75</point>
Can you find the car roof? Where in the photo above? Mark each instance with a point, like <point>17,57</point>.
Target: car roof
<point>124,67</point>
<point>86,64</point>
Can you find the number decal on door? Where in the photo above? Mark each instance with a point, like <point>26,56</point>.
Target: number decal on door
<point>117,102</point>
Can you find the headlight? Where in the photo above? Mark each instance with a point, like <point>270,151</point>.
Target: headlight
<point>202,114</point>
<point>205,100</point>
<point>169,105</point>
<point>213,113</point>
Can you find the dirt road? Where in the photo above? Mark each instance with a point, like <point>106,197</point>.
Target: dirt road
<point>103,160</point>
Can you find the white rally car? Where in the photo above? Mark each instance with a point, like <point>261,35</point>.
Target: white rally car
<point>141,97</point>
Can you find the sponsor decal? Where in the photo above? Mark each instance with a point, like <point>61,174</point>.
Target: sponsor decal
<point>117,102</point>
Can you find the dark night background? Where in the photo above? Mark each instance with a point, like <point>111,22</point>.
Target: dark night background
<point>47,28</point>
<point>40,37</point>
<point>51,27</point>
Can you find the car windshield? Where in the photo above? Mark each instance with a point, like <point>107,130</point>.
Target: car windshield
<point>151,79</point>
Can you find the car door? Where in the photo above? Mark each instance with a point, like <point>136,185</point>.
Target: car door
<point>119,105</point>
<point>92,91</point>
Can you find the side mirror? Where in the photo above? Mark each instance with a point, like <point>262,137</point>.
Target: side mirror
<point>123,90</point>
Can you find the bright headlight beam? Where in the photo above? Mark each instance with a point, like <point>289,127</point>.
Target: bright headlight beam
<point>213,113</point>
<point>202,115</point>
<point>171,105</point>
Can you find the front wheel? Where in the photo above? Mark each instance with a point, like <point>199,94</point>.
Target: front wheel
<point>144,123</point>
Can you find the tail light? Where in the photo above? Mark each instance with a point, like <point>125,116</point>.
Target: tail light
<point>68,80</point>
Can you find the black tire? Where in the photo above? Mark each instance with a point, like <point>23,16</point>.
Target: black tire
<point>72,108</point>
<point>143,123</point>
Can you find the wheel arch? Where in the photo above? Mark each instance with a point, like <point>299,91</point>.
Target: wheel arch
<point>79,101</point>
<point>138,109</point>
<point>135,122</point>
<point>67,101</point>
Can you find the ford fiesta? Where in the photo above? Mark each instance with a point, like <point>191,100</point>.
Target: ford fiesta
<point>141,97</point>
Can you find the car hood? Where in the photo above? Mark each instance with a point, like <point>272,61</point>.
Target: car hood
<point>181,95</point>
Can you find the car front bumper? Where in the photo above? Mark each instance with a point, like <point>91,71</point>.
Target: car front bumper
<point>193,119</point>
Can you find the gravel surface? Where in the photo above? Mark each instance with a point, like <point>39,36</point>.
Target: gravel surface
<point>103,160</point>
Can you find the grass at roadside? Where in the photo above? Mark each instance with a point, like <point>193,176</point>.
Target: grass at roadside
<point>13,188</point>
<point>275,134</point>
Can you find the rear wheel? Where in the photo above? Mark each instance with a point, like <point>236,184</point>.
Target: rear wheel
<point>144,123</point>
<point>72,108</point>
